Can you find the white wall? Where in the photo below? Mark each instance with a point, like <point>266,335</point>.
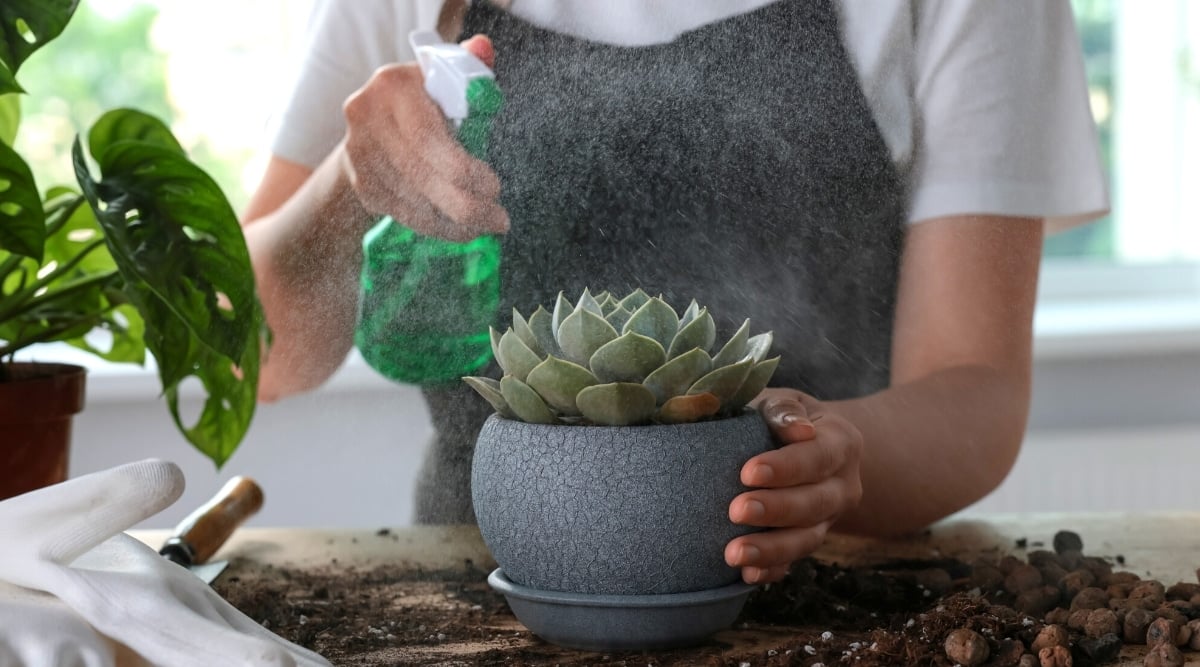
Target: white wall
<point>1115,433</point>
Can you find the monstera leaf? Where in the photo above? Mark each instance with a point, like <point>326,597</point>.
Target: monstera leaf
<point>25,27</point>
<point>178,247</point>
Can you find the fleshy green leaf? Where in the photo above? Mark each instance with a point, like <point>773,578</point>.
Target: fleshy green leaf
<point>582,333</point>
<point>521,328</point>
<point>701,333</point>
<point>735,349</point>
<point>688,409</point>
<point>28,25</point>
<point>655,319</point>
<point>558,382</point>
<point>757,380</point>
<point>515,357</point>
<point>589,303</point>
<point>629,358</point>
<point>724,381</point>
<point>494,336</point>
<point>489,389</point>
<point>22,218</point>
<point>635,300</point>
<point>758,346</point>
<point>607,303</point>
<point>543,331</point>
<point>689,314</point>
<point>617,404</point>
<point>525,403</point>
<point>562,310</point>
<point>677,375</point>
<point>617,317</point>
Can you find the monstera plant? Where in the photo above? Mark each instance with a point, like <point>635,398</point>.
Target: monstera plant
<point>148,251</point>
<point>619,362</point>
<point>602,483</point>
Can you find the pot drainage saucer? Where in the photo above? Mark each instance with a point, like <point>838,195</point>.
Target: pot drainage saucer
<point>623,622</point>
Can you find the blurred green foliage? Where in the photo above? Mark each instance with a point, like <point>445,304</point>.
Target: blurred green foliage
<point>1094,19</point>
<point>101,62</point>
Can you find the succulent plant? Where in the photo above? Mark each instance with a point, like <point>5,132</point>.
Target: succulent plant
<point>618,362</point>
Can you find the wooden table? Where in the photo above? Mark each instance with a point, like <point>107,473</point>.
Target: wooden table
<point>1160,546</point>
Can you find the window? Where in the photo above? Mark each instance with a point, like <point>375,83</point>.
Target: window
<point>1132,280</point>
<point>209,69</point>
<point>217,79</point>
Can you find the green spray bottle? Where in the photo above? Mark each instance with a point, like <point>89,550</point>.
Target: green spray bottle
<point>427,304</point>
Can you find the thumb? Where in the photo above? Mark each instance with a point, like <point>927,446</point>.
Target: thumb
<point>481,47</point>
<point>787,417</point>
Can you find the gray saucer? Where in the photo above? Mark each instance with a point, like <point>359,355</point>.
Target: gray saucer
<point>623,622</point>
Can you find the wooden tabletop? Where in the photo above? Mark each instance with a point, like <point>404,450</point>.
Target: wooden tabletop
<point>1162,546</point>
<point>1159,546</point>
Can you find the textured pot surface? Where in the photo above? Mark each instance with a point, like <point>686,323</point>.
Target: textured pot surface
<point>621,510</point>
<point>36,407</point>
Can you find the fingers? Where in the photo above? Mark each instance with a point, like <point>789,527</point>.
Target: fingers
<point>481,47</point>
<point>61,522</point>
<point>786,415</point>
<point>38,629</point>
<point>766,556</point>
<point>403,160</point>
<point>799,463</point>
<point>795,506</point>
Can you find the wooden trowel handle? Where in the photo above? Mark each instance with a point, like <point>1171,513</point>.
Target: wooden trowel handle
<point>203,532</point>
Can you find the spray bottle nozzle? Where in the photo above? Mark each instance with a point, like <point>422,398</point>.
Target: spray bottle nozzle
<point>449,71</point>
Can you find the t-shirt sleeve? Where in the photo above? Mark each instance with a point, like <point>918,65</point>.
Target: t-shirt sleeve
<point>1004,125</point>
<point>346,41</point>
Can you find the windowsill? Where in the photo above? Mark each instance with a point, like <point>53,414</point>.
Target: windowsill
<point>1116,328</point>
<point>1077,330</point>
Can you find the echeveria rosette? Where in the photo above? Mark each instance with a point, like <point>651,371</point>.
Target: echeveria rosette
<point>618,362</point>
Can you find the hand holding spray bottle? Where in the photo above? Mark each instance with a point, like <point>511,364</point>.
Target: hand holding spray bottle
<point>427,303</point>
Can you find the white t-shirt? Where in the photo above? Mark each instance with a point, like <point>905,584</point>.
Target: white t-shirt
<point>983,103</point>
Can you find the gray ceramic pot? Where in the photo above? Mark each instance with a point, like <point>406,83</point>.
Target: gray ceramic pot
<point>614,510</point>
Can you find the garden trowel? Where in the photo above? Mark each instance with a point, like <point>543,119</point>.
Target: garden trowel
<point>202,532</point>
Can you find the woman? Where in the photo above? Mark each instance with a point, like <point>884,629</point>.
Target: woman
<point>870,179</point>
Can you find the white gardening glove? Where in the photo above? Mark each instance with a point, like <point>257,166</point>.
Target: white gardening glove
<point>67,540</point>
<point>37,628</point>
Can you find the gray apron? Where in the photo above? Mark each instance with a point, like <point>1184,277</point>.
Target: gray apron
<point>739,165</point>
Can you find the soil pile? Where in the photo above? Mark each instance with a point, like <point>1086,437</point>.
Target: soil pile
<point>1051,608</point>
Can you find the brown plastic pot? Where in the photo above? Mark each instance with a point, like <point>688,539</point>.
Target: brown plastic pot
<point>37,404</point>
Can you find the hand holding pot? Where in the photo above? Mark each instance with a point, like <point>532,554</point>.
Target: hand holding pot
<point>402,159</point>
<point>799,489</point>
<point>79,586</point>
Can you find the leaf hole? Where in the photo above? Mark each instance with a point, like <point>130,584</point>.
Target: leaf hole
<point>11,209</point>
<point>191,403</point>
<point>223,302</point>
<point>100,339</point>
<point>81,235</point>
<point>132,215</point>
<point>25,31</point>
<point>5,184</point>
<point>47,269</point>
<point>198,235</point>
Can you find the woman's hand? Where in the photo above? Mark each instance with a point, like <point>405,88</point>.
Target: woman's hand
<point>799,489</point>
<point>401,157</point>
